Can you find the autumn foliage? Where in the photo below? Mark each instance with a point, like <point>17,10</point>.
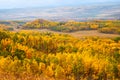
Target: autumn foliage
<point>28,55</point>
<point>104,26</point>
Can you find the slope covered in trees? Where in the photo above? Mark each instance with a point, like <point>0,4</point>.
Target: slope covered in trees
<point>112,27</point>
<point>28,55</point>
<point>107,26</point>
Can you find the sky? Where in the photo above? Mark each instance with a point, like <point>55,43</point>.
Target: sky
<point>8,4</point>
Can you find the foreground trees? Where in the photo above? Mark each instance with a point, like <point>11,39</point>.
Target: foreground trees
<point>32,55</point>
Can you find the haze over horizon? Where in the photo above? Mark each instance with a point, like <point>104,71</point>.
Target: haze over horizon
<point>59,10</point>
<point>10,4</point>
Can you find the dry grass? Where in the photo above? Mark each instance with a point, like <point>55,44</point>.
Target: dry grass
<point>81,34</point>
<point>93,33</point>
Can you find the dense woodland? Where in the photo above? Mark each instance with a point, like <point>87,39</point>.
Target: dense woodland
<point>104,26</point>
<point>28,55</point>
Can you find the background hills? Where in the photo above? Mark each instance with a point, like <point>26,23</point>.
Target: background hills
<point>78,13</point>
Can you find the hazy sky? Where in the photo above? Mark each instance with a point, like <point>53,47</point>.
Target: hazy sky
<point>46,3</point>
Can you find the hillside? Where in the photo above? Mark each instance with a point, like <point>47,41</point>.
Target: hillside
<point>12,23</point>
<point>30,55</point>
<point>103,26</point>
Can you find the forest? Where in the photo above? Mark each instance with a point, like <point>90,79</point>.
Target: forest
<point>103,26</point>
<point>34,55</point>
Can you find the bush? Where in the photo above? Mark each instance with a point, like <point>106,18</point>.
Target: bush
<point>117,39</point>
<point>4,35</point>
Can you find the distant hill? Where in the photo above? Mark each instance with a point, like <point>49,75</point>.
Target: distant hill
<point>5,27</point>
<point>104,26</point>
<point>78,13</point>
<point>12,23</point>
